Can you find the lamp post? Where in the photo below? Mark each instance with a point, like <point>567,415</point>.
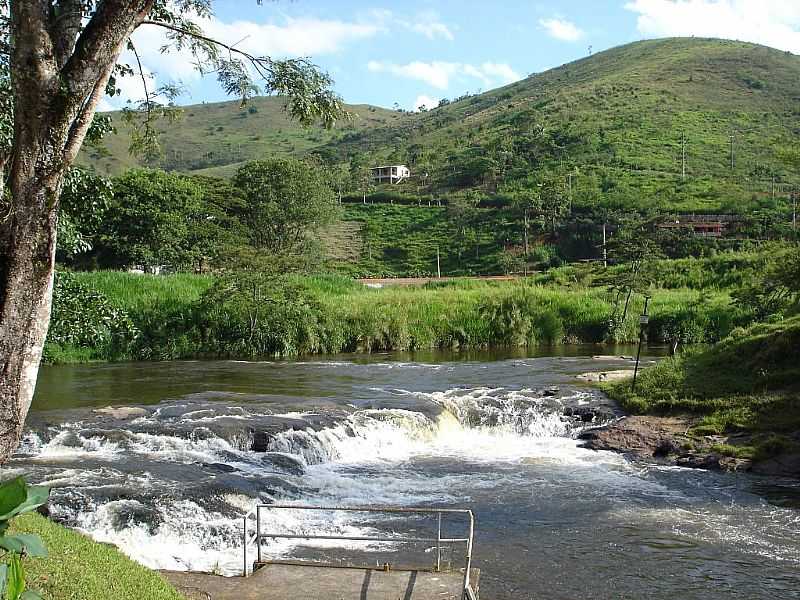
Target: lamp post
<point>644,319</point>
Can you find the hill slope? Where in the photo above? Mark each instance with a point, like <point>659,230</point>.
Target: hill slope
<point>617,117</point>
<point>621,114</point>
<point>211,136</point>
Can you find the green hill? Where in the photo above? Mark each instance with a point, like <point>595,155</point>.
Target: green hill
<point>619,117</point>
<point>210,138</point>
<point>614,120</point>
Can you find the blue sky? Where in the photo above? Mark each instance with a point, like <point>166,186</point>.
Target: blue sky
<point>421,50</point>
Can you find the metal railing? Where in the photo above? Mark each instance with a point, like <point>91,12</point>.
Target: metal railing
<point>259,536</point>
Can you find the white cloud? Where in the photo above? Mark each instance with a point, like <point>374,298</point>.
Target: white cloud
<point>435,73</point>
<point>561,29</point>
<point>427,23</point>
<point>433,30</point>
<point>292,37</point>
<point>296,37</point>
<point>501,71</point>
<point>425,101</point>
<point>773,23</point>
<point>439,73</point>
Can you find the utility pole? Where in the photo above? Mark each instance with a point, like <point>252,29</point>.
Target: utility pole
<point>438,264</point>
<point>605,250</point>
<point>643,321</point>
<point>683,154</point>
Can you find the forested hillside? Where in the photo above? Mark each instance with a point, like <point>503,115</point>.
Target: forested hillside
<point>615,126</point>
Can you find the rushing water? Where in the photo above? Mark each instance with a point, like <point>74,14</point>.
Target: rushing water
<point>170,483</point>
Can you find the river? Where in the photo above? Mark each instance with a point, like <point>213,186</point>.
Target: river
<point>170,482</point>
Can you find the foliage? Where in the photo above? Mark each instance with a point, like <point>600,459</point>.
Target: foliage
<point>519,320</point>
<point>154,221</point>
<point>85,198</point>
<point>17,498</point>
<point>84,318</point>
<point>283,201</point>
<point>775,289</point>
<point>258,311</point>
<point>310,98</point>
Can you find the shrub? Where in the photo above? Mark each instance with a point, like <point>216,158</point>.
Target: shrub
<point>85,318</point>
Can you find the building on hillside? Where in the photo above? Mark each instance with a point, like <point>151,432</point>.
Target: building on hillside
<point>700,225</point>
<point>390,174</point>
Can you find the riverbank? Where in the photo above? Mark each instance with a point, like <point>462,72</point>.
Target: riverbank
<point>111,316</point>
<point>734,406</point>
<point>78,568</point>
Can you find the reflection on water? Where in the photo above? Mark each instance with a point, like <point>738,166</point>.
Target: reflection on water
<point>169,484</point>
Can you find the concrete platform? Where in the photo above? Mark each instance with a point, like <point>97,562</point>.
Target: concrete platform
<point>305,582</point>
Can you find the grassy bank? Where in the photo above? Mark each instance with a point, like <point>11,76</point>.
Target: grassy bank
<point>748,383</point>
<point>78,568</point>
<point>165,318</point>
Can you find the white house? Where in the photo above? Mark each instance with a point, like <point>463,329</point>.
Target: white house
<point>390,174</point>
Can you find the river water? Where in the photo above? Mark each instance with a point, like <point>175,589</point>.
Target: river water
<point>170,483</point>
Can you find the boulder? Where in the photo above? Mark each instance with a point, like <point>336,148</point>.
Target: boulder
<point>122,412</point>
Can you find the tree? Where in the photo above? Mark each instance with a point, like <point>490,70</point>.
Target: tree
<point>526,202</point>
<point>61,57</point>
<point>360,176</point>
<point>462,211</point>
<point>636,250</point>
<point>775,289</point>
<point>554,201</point>
<point>257,308</point>
<point>85,199</point>
<point>283,201</point>
<point>152,220</point>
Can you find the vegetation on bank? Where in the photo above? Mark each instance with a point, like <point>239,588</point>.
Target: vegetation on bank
<point>78,568</point>
<point>118,316</point>
<point>748,382</point>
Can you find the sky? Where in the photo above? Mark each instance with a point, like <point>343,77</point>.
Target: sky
<point>419,51</point>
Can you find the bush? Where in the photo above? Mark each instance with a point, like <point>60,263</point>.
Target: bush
<point>255,314</point>
<point>521,319</point>
<point>84,318</point>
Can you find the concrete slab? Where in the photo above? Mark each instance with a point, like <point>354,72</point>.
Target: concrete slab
<point>305,582</point>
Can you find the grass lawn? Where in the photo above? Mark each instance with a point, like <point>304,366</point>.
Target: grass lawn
<point>79,568</point>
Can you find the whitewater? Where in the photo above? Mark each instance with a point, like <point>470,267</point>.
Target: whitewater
<point>209,441</point>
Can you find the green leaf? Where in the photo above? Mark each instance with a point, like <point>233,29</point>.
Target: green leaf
<point>3,577</point>
<point>30,595</point>
<point>12,494</point>
<point>33,545</point>
<point>24,542</point>
<point>35,497</point>
<point>11,543</point>
<point>15,584</point>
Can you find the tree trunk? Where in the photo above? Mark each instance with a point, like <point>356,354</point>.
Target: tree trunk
<point>28,285</point>
<point>57,81</point>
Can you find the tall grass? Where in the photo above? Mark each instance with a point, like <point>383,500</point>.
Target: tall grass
<point>348,317</point>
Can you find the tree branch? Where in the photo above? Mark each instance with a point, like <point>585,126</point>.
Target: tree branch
<point>65,27</point>
<point>101,40</point>
<point>144,79</point>
<point>84,120</point>
<point>255,61</point>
